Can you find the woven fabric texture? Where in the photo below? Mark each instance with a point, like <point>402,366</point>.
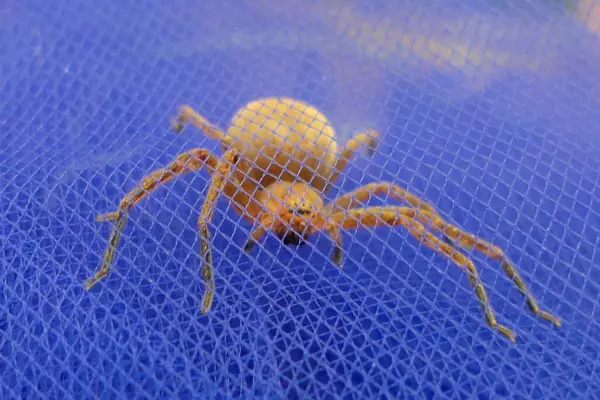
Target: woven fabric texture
<point>488,110</point>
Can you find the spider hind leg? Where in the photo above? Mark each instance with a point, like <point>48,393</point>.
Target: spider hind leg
<point>187,114</point>
<point>368,139</point>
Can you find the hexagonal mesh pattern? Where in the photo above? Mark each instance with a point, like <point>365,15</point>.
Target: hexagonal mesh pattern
<point>487,109</point>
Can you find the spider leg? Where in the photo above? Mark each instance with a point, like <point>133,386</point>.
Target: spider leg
<point>469,241</point>
<point>189,161</point>
<point>187,114</point>
<point>337,255</point>
<point>219,180</point>
<point>368,138</point>
<point>358,197</point>
<point>379,216</point>
<point>264,223</point>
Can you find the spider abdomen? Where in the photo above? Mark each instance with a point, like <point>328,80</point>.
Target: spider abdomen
<point>284,139</point>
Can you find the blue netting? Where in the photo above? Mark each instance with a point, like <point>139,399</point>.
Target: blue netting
<point>488,110</point>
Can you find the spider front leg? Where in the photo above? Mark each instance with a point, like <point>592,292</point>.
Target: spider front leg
<point>469,241</point>
<point>405,216</point>
<point>219,180</point>
<point>370,139</point>
<point>360,196</point>
<point>191,160</point>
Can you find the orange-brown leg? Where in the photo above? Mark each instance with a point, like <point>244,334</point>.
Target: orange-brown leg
<point>265,222</point>
<point>427,214</point>
<point>358,197</point>
<point>337,255</point>
<point>191,160</point>
<point>469,241</point>
<point>219,180</point>
<point>367,139</point>
<point>187,114</point>
<point>405,216</point>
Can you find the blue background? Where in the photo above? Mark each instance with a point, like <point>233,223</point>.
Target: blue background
<point>489,110</point>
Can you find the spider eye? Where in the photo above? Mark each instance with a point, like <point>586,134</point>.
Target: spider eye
<point>300,209</point>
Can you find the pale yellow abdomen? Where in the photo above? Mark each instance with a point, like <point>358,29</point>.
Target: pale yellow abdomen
<point>285,139</point>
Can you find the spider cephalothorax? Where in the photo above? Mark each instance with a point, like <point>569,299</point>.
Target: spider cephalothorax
<point>280,159</point>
